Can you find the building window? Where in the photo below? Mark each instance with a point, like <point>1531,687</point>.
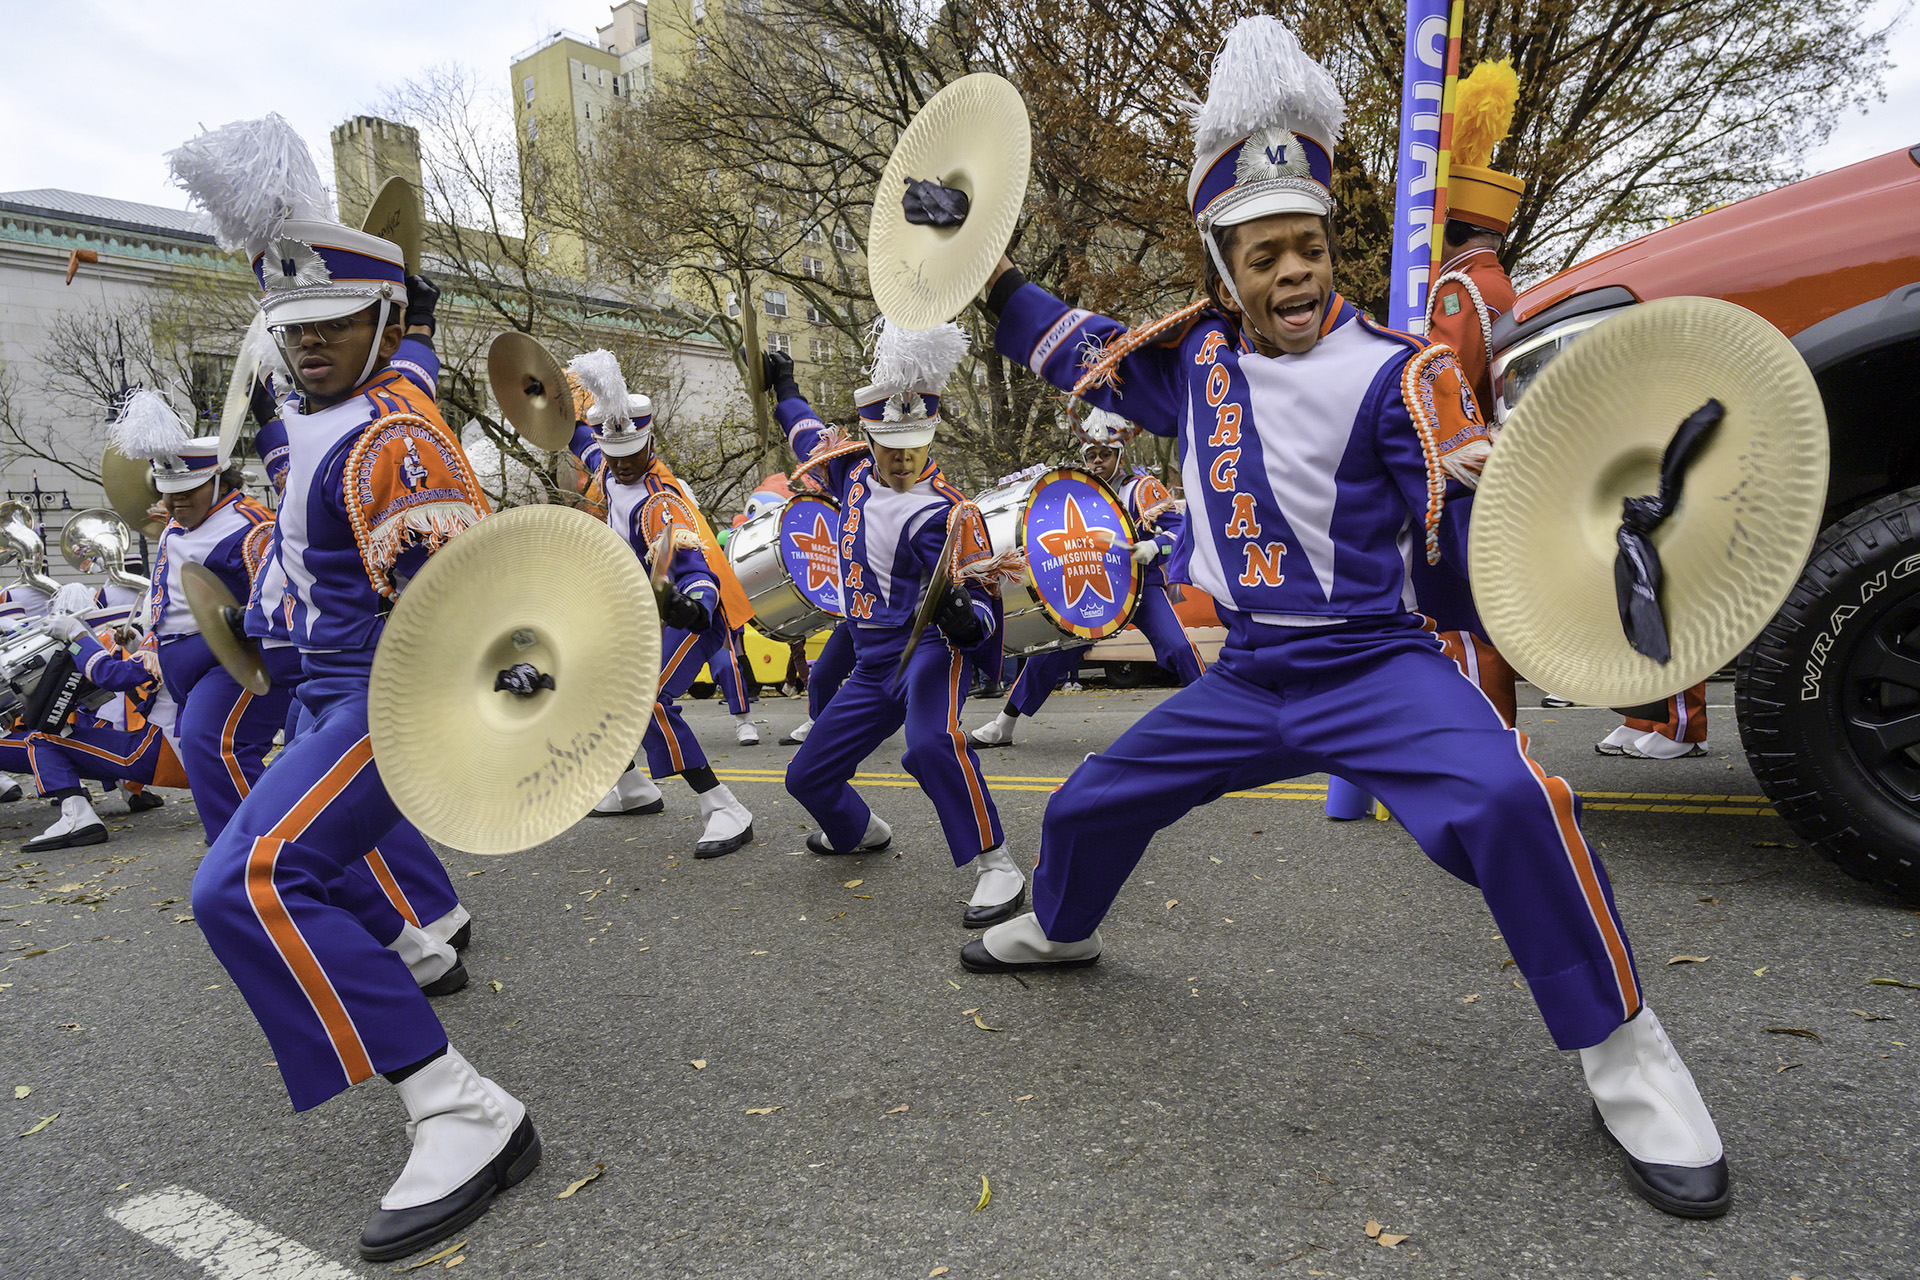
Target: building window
<point>526,87</point>
<point>843,240</point>
<point>814,235</point>
<point>733,304</point>
<point>699,10</point>
<point>602,77</point>
<point>776,302</point>
<point>780,342</point>
<point>588,108</point>
<point>533,128</point>
<point>813,268</point>
<point>765,216</point>
<point>815,315</point>
<point>822,351</point>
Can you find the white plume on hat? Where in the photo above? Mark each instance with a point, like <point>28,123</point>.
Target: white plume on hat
<point>74,597</point>
<point>916,360</point>
<point>1262,77</point>
<point>251,176</point>
<point>1106,428</point>
<point>262,351</point>
<point>599,373</point>
<point>148,428</point>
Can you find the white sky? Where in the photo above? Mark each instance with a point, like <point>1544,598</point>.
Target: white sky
<point>93,94</point>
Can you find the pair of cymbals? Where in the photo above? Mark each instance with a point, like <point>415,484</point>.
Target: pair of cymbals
<point>514,679</point>
<point>1591,431</point>
<point>531,389</point>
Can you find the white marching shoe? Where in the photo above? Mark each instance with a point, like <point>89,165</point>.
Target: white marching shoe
<point>729,825</point>
<point>1658,746</point>
<point>634,793</point>
<point>878,836</point>
<point>1021,943</point>
<point>9,788</point>
<point>1617,742</point>
<point>999,889</point>
<point>454,928</point>
<point>744,733</point>
<point>1647,1102</point>
<point>798,734</point>
<point>77,825</point>
<point>471,1140</point>
<point>435,965</point>
<point>997,732</point>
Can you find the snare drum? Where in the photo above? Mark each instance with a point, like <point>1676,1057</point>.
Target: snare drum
<point>789,566</point>
<point>1078,588</point>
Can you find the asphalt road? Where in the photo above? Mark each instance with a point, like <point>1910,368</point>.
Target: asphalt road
<point>1299,1027</point>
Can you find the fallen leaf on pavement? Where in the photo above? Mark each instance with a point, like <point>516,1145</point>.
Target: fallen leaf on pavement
<point>761,1111</point>
<point>449,1251</point>
<point>897,1110</point>
<point>1689,959</point>
<point>1762,969</point>
<point>1872,1017</point>
<point>983,1026</point>
<point>22,1090</point>
<point>581,1182</point>
<point>44,1122</point>
<point>1172,903</point>
<point>1872,982</point>
<point>1390,1240</point>
<point>1470,999</point>
<point>699,1064</point>
<point>761,953</point>
<point>498,985</point>
<point>1373,1229</point>
<point>454,1262</point>
<point>986,1194</point>
<point>937,1271</point>
<point>1795,1031</point>
<point>969,1012</point>
<point>1025,1097</point>
<point>1790,1066</point>
<point>853,884</point>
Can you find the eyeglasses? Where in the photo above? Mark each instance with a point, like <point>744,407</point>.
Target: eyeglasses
<point>324,332</point>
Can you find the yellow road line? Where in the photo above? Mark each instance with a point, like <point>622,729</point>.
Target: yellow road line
<point>1625,801</point>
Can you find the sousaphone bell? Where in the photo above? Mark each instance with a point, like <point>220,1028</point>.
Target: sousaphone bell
<point>1650,502</point>
<point>531,389</point>
<point>514,679</point>
<point>97,541</point>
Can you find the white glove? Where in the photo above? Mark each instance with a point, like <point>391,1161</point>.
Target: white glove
<point>1146,551</point>
<point>65,626</point>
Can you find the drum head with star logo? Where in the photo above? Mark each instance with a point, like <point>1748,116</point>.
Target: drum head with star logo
<point>1069,530</point>
<point>809,528</point>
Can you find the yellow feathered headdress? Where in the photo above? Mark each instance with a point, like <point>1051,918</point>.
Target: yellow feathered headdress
<point>1482,115</point>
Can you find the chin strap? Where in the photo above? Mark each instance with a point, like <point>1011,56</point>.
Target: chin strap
<point>379,328</point>
<point>1226,278</point>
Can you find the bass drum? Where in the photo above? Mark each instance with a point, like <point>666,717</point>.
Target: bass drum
<point>789,565</point>
<point>1078,588</point>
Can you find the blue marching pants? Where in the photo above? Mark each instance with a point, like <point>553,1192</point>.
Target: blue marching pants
<point>1157,621</point>
<point>102,753</point>
<point>404,869</point>
<point>670,745</point>
<point>14,756</point>
<point>224,731</point>
<point>335,1004</point>
<point>826,673</point>
<point>727,676</point>
<point>865,712</point>
<point>1378,702</point>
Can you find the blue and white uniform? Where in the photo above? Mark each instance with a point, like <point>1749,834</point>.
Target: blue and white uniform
<point>1312,480</point>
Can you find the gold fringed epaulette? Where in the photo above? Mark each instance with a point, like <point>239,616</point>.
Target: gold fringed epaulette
<point>407,484</point>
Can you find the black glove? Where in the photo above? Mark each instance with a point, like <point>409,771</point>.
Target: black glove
<point>957,618</point>
<point>776,374</point>
<point>683,611</point>
<point>260,403</point>
<point>928,204</point>
<point>422,298</point>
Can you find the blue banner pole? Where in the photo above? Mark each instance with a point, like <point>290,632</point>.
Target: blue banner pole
<point>1422,88</point>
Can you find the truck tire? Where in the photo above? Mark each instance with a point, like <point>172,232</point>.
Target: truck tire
<point>1124,675</point>
<point>1828,697</point>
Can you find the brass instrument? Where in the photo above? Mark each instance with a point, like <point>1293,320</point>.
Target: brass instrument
<point>98,541</point>
<point>20,541</point>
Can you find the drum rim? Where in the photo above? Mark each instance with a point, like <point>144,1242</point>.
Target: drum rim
<point>1136,582</point>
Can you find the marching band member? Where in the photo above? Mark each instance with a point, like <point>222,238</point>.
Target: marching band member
<point>25,601</point>
<point>898,517</point>
<point>223,732</point>
<point>1679,734</point>
<point>1472,292</point>
<point>730,678</point>
<point>1315,446</point>
<point>376,482</point>
<point>1153,511</point>
<point>639,496</point>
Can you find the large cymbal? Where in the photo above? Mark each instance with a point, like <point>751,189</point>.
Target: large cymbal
<point>487,769</point>
<point>395,215</point>
<point>130,492</point>
<point>219,615</point>
<point>531,389</point>
<point>1591,431</point>
<point>972,135</point>
<point>246,368</point>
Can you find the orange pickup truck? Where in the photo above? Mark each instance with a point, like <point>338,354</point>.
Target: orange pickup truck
<point>1828,697</point>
